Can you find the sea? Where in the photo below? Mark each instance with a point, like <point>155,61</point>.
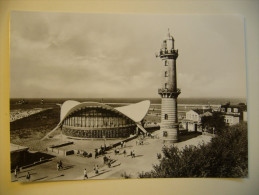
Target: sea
<point>201,101</point>
<point>184,104</point>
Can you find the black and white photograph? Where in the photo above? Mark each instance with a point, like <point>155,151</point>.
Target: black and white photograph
<point>127,96</point>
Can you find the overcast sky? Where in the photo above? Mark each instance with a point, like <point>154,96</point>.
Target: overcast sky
<point>93,55</point>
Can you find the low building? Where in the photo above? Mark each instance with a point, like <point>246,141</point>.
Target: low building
<point>197,114</point>
<point>18,155</point>
<point>231,119</point>
<point>233,114</point>
<point>192,122</point>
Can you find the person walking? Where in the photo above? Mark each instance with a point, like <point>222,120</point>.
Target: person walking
<point>105,160</point>
<point>60,164</point>
<point>133,154</point>
<point>15,172</point>
<point>28,176</point>
<point>96,169</point>
<point>96,153</point>
<point>85,174</point>
<point>17,169</point>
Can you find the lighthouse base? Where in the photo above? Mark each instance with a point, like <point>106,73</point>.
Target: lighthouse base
<point>169,134</point>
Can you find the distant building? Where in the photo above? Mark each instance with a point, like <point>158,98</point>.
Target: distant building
<point>22,102</point>
<point>231,119</point>
<point>195,115</point>
<point>233,114</point>
<point>192,122</point>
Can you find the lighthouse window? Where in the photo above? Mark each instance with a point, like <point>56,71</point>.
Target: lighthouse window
<point>235,110</point>
<point>166,74</point>
<point>166,85</point>
<point>166,63</point>
<point>166,116</point>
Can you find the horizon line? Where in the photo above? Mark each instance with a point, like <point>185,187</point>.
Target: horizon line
<point>122,97</point>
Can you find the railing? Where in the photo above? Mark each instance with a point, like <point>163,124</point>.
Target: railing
<point>168,53</point>
<point>165,90</point>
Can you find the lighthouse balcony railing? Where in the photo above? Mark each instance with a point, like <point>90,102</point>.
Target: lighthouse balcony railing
<point>166,90</point>
<point>166,52</point>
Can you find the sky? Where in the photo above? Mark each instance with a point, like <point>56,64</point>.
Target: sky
<point>77,55</point>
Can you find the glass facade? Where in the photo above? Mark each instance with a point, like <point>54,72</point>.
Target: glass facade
<point>98,123</point>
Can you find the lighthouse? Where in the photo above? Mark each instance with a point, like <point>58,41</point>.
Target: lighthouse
<point>169,128</point>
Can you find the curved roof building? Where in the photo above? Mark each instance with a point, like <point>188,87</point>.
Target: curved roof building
<point>97,120</point>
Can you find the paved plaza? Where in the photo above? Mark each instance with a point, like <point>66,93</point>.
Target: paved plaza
<point>74,165</point>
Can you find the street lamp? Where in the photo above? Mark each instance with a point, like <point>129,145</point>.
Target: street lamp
<point>104,139</point>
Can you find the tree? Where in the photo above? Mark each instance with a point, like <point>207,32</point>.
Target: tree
<point>216,122</point>
<point>225,156</point>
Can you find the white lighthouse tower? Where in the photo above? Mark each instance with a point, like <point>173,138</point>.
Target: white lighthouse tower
<point>169,92</point>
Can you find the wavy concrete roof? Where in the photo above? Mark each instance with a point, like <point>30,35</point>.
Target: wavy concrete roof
<point>136,112</point>
<point>66,107</point>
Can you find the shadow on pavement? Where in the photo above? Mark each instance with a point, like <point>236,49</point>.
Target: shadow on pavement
<point>116,165</point>
<point>139,155</point>
<point>57,176</point>
<point>68,167</point>
<point>40,178</point>
<point>99,174</point>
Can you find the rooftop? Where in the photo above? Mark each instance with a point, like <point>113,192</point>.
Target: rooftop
<point>240,106</point>
<point>136,111</point>
<point>16,148</point>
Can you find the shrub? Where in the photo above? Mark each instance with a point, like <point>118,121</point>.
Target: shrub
<point>225,156</point>
<point>125,175</point>
<point>216,121</point>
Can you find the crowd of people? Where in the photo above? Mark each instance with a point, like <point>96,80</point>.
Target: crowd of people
<point>100,151</point>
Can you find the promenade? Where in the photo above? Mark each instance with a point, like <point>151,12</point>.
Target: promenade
<point>73,165</point>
